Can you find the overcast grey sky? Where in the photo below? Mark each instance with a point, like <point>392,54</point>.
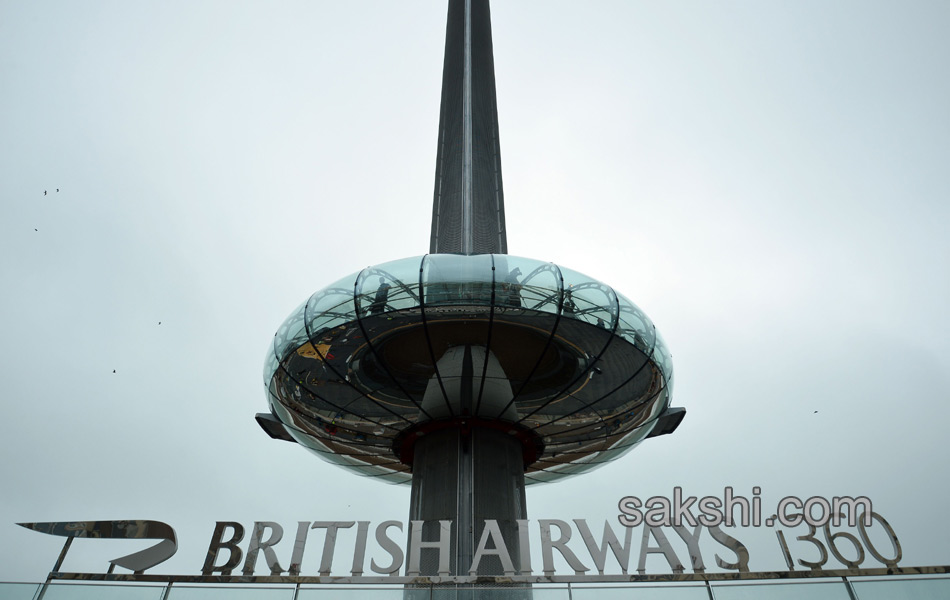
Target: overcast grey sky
<point>767,180</point>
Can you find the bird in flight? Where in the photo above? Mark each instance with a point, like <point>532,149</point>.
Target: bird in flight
<point>44,192</point>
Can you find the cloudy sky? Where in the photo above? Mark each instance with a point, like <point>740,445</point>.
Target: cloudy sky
<point>767,180</point>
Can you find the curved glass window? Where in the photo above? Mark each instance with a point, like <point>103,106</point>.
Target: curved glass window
<point>635,326</point>
<point>323,318</point>
<point>286,340</point>
<point>393,346</point>
<point>663,358</point>
<point>527,283</point>
<point>587,299</point>
<point>389,287</point>
<point>456,279</point>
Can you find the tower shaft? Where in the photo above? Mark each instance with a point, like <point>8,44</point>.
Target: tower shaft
<point>468,210</point>
<point>468,476</point>
<point>468,472</point>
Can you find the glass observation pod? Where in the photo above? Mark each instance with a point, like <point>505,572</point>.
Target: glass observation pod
<point>562,361</point>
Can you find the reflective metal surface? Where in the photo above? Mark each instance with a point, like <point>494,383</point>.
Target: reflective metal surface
<point>562,362</point>
<point>136,562</point>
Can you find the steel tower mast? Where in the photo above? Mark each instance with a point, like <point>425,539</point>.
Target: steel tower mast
<point>468,211</point>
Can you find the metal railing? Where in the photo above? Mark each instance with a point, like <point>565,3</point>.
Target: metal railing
<point>855,584</point>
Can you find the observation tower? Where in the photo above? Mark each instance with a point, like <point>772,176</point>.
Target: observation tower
<point>468,372</point>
